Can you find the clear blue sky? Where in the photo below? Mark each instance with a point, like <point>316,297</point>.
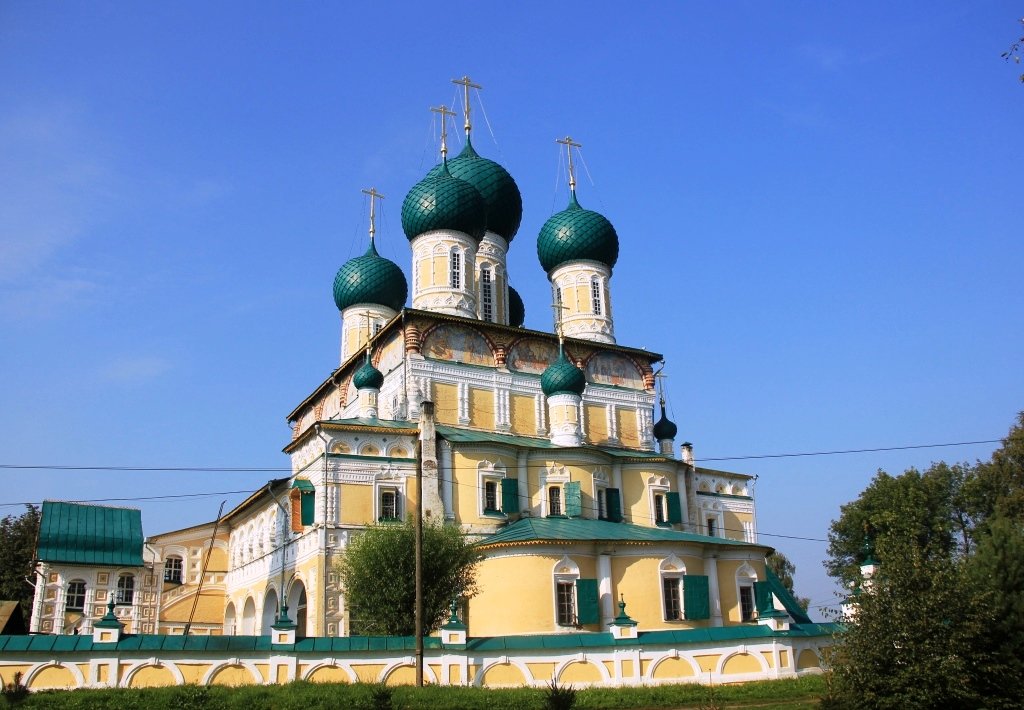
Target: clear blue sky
<point>818,206</point>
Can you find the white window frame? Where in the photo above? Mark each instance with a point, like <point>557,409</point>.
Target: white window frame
<point>555,477</point>
<point>126,591</point>
<point>486,293</point>
<point>658,488</point>
<point>388,485</point>
<point>600,493</point>
<point>745,578</point>
<point>672,568</point>
<point>596,296</point>
<point>455,269</point>
<point>488,472</point>
<point>169,568</point>
<point>565,572</point>
<point>68,596</point>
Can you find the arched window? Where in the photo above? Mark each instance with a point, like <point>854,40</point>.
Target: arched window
<point>673,572</point>
<point>455,278</point>
<point>486,294</point>
<point>173,568</point>
<point>125,589</point>
<point>76,596</point>
<point>595,295</point>
<point>745,578</point>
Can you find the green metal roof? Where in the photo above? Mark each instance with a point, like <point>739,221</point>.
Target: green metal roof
<point>368,377</point>
<point>473,436</point>
<point>370,278</point>
<point>303,484</point>
<point>90,534</point>
<point>574,234</point>
<point>562,377</point>
<point>536,530</point>
<point>443,201</point>
<point>788,600</point>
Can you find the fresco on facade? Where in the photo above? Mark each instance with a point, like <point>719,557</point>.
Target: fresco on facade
<point>457,344</point>
<point>531,356</point>
<point>614,369</point>
<point>390,354</point>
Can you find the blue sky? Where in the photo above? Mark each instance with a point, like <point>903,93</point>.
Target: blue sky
<point>818,207</point>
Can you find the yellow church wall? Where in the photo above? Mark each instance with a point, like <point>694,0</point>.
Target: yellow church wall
<point>152,677</point>
<point>807,659</point>
<point>784,658</point>
<point>232,676</point>
<point>741,663</point>
<point>192,672</point>
<point>7,672</point>
<point>580,672</point>
<point>707,663</point>
<point>635,504</point>
<point>541,671</point>
<point>102,672</point>
<point>523,414</point>
<point>467,492</point>
<point>734,524</point>
<point>627,668</point>
<point>597,423</point>
<point>368,672</point>
<point>209,610</point>
<point>446,403</point>
<point>769,658</point>
<point>672,668</point>
<point>503,675</point>
<point>356,504</point>
<point>638,580</point>
<point>727,590</point>
<point>628,433</point>
<point>53,677</point>
<point>481,408</point>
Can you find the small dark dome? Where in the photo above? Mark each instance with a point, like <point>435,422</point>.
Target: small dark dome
<point>562,377</point>
<point>664,428</point>
<point>516,308</point>
<point>370,278</point>
<point>575,234</point>
<point>368,377</point>
<point>443,201</point>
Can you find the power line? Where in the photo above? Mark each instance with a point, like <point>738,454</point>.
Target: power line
<point>850,451</point>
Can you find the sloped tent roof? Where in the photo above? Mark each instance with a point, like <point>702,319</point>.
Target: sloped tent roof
<point>90,535</point>
<point>790,603</point>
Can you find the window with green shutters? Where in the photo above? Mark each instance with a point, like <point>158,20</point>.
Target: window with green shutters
<point>308,507</point>
<point>509,496</point>
<point>696,599</point>
<point>573,500</point>
<point>587,602</point>
<point>614,503</point>
<point>675,508</point>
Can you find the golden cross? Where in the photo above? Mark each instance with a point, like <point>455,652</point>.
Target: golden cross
<point>374,195</point>
<point>369,333</point>
<point>445,113</point>
<point>558,307</point>
<point>466,84</point>
<point>659,377</point>
<point>569,144</point>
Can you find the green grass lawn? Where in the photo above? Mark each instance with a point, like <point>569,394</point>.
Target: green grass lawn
<point>765,695</point>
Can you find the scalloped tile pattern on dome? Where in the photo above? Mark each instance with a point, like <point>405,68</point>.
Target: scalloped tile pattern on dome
<point>443,201</point>
<point>370,278</point>
<point>500,192</point>
<point>562,377</point>
<point>368,376</point>
<point>576,233</point>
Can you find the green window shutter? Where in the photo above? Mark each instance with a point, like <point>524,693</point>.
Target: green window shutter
<point>763,598</point>
<point>675,510</point>
<point>509,496</point>
<point>696,601</point>
<point>573,500</point>
<point>614,504</point>
<point>588,610</point>
<point>308,502</point>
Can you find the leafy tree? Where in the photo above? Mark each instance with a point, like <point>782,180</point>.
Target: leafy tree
<point>17,551</point>
<point>784,570</point>
<point>997,487</point>
<point>378,573</point>
<point>1014,51</point>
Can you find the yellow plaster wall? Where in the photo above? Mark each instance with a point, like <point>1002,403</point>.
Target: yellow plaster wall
<point>727,590</point>
<point>209,610</point>
<point>628,434</point>
<point>638,580</point>
<point>741,663</point>
<point>807,659</point>
<point>784,658</point>
<point>402,675</point>
<point>541,671</point>
<point>734,524</point>
<point>368,672</point>
<point>466,493</point>
<point>356,503</point>
<point>53,677</point>
<point>481,408</point>
<point>446,400</point>
<point>635,504</point>
<point>707,663</point>
<point>673,668</point>
<point>7,673</point>
<point>768,658</point>
<point>580,672</point>
<point>192,672</point>
<point>523,414</point>
<point>597,423</point>
<point>152,677</point>
<point>503,675</point>
<point>232,676</point>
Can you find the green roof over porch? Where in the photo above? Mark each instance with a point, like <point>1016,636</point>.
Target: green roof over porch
<point>90,534</point>
<point>535,530</point>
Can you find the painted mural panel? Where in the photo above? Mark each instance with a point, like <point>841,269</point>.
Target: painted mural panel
<point>455,343</point>
<point>532,356</point>
<point>614,369</point>
<point>391,353</point>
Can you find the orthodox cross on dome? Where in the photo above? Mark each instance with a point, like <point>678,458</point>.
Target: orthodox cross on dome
<point>369,334</point>
<point>466,85</point>
<point>659,378</point>
<point>558,307</point>
<point>445,113</point>
<point>374,196</point>
<point>569,144</point>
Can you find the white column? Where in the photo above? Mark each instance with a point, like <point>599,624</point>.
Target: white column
<point>711,569</point>
<point>523,474</point>
<point>604,588</point>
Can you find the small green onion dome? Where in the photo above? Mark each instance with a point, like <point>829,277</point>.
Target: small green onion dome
<point>368,377</point>
<point>370,278</point>
<point>562,377</point>
<point>574,234</point>
<point>516,308</point>
<point>443,201</point>
<point>664,428</point>
<point>499,190</point>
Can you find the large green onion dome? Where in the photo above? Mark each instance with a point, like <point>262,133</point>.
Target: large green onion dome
<point>370,278</point>
<point>443,201</point>
<point>575,234</point>
<point>368,377</point>
<point>516,308</point>
<point>499,190</point>
<point>562,377</point>
<point>665,428</point>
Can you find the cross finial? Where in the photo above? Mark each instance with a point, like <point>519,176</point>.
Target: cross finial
<point>569,144</point>
<point>466,85</point>
<point>558,307</point>
<point>659,377</point>
<point>369,333</point>
<point>374,195</point>
<point>445,113</point>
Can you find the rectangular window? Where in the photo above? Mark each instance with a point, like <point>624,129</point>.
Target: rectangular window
<point>673,599</point>
<point>659,508</point>
<point>388,504</point>
<point>173,570</point>
<point>76,596</point>
<point>747,603</point>
<point>377,325</point>
<point>456,270</point>
<point>595,295</point>
<point>602,503</point>
<point>711,527</point>
<point>486,294</point>
<point>491,497</point>
<point>554,500</point>
<point>125,589</point>
<point>566,606</point>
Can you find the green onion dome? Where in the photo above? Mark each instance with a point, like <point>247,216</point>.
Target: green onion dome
<point>368,377</point>
<point>516,308</point>
<point>443,201</point>
<point>499,190</point>
<point>562,377</point>
<point>574,234</point>
<point>370,278</point>
<point>664,428</point>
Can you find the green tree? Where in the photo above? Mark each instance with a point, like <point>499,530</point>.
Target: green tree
<point>784,570</point>
<point>1014,52</point>
<point>17,551</point>
<point>378,574</point>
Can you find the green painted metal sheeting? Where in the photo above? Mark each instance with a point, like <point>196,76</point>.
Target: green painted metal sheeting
<point>582,529</point>
<point>90,535</point>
